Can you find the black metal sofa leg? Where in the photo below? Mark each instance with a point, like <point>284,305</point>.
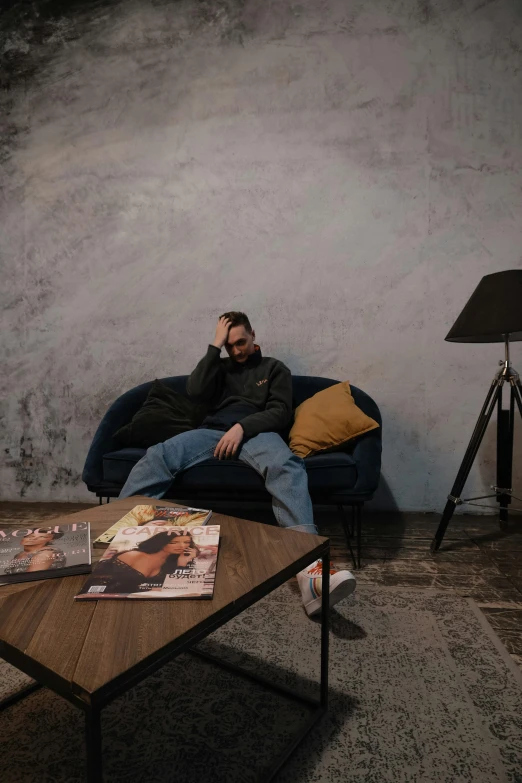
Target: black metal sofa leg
<point>350,529</point>
<point>358,528</point>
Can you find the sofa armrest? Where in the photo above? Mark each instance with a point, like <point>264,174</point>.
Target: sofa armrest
<point>367,456</point>
<point>367,449</point>
<point>119,413</point>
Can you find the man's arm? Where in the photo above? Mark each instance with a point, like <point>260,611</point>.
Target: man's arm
<point>203,382</point>
<point>278,411</point>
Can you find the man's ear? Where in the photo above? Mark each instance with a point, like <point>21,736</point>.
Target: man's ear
<point>253,335</point>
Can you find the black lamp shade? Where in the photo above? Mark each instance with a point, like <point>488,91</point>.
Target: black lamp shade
<point>493,312</point>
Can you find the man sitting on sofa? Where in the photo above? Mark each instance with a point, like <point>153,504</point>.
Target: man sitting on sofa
<point>250,402</point>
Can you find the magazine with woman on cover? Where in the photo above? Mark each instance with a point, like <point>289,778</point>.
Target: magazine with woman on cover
<point>156,561</point>
<point>156,515</point>
<point>42,552</point>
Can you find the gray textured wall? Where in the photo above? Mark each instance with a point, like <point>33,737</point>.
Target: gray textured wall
<point>343,171</point>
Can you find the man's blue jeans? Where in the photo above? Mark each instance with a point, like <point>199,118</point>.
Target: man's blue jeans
<point>283,472</point>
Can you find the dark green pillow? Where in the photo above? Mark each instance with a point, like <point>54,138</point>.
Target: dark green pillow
<point>164,413</point>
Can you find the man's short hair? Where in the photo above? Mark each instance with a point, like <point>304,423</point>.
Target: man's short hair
<point>238,319</point>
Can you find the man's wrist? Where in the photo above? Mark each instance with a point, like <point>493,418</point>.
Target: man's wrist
<point>244,430</point>
<point>217,345</point>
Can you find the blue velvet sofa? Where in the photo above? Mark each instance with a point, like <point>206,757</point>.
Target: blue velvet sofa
<point>345,479</point>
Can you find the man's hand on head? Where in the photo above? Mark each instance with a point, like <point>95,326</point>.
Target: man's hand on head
<point>222,330</point>
<point>230,442</point>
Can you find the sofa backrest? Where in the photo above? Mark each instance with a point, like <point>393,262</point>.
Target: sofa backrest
<point>304,386</point>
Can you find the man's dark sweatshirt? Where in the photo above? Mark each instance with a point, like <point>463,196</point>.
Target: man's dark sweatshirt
<point>256,394</point>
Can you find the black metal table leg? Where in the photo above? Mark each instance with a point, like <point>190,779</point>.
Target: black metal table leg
<point>325,628</point>
<point>93,746</point>
<point>319,706</point>
<point>358,522</point>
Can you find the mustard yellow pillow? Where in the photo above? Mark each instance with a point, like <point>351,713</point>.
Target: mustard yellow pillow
<point>326,420</point>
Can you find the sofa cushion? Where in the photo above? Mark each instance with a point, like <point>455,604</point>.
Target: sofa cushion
<point>164,414</point>
<point>326,473</point>
<point>221,476</point>
<point>118,464</point>
<point>330,472</point>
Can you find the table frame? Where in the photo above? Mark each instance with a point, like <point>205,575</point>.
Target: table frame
<point>92,704</point>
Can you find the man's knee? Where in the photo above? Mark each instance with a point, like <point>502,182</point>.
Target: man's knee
<point>184,440</point>
<point>169,451</point>
<point>185,447</point>
<point>266,443</point>
<point>269,447</point>
<point>177,440</point>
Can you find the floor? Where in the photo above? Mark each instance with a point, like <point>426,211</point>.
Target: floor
<point>476,559</point>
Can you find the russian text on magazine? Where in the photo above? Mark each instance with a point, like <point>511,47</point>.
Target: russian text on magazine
<point>156,562</point>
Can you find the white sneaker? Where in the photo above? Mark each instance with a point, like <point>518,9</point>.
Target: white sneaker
<point>342,584</point>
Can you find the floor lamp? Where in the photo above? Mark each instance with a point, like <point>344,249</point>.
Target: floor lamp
<point>492,315</point>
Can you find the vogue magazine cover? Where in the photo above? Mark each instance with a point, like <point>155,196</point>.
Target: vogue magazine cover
<point>42,552</point>
<point>157,515</point>
<point>156,561</point>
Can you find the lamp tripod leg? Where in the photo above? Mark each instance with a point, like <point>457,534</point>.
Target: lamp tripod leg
<point>495,391</point>
<point>516,390</point>
<point>505,434</point>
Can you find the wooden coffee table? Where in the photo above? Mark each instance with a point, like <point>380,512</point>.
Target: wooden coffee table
<point>92,652</point>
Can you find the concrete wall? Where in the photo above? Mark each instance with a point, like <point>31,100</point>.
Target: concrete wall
<point>345,172</point>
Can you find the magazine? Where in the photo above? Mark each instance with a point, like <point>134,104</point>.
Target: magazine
<point>158,515</point>
<point>151,561</point>
<point>43,552</point>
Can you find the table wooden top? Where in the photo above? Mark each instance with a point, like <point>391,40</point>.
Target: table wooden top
<point>83,649</point>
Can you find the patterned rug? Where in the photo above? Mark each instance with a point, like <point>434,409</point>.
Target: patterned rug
<point>421,690</point>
